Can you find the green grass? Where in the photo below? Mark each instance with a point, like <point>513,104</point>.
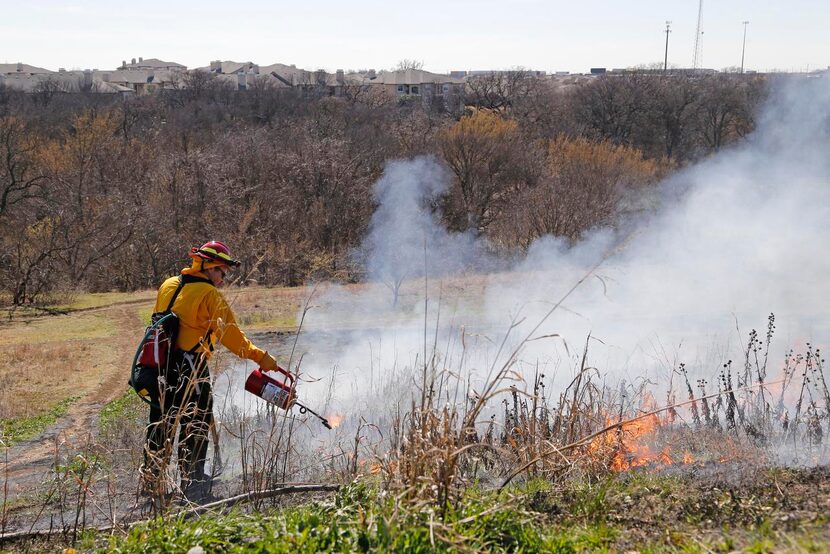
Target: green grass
<point>535,517</point>
<point>262,320</point>
<point>357,520</point>
<point>100,299</point>
<point>19,429</point>
<point>128,407</point>
<point>71,302</point>
<point>145,313</point>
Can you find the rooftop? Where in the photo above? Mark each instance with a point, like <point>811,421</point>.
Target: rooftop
<point>22,68</point>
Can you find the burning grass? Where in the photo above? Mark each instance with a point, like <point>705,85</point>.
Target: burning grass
<point>591,430</point>
<point>508,465</point>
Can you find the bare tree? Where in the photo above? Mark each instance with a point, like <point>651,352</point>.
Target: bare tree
<point>719,108</point>
<point>582,188</point>
<point>726,108</point>
<point>20,178</point>
<point>480,151</point>
<point>46,89</point>
<point>618,108</point>
<point>501,89</point>
<point>406,63</point>
<point>676,101</point>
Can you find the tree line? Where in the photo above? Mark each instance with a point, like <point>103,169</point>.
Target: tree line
<point>100,193</point>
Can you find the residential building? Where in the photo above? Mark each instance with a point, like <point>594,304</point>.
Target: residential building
<point>418,83</point>
<point>63,81</point>
<point>243,75</point>
<point>152,64</point>
<point>22,69</point>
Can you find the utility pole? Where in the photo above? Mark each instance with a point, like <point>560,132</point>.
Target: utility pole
<point>743,48</point>
<point>666,58</point>
<point>696,59</point>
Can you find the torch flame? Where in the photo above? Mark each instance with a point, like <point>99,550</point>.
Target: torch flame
<point>335,420</point>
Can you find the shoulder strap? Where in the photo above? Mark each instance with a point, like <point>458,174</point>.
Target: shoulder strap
<point>184,280</point>
<point>175,294</point>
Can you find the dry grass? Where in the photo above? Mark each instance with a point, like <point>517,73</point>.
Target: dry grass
<point>102,299</point>
<point>38,376</point>
<point>592,430</point>
<point>50,358</point>
<point>266,309</point>
<point>58,328</point>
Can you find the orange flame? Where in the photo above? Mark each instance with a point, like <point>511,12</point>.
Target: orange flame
<point>335,420</point>
<point>631,445</point>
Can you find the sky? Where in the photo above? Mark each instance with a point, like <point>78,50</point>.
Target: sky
<point>446,35</point>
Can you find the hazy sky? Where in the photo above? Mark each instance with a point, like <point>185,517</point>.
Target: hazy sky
<point>446,35</point>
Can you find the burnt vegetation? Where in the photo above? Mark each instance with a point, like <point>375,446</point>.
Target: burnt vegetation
<point>100,193</point>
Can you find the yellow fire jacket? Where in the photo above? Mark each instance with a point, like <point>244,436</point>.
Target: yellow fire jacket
<point>201,307</point>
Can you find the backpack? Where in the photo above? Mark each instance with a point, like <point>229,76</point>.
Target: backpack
<point>154,356</point>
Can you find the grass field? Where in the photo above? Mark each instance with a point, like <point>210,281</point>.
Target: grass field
<point>777,510</point>
<point>430,483</point>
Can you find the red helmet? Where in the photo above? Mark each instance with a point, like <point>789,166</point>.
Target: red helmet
<point>214,251</point>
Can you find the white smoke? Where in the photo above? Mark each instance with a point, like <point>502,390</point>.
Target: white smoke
<point>404,239</point>
<point>732,239</point>
<point>735,238</point>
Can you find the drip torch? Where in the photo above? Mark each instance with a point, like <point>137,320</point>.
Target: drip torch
<point>279,393</point>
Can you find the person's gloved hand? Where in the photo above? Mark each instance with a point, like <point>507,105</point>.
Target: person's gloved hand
<point>268,363</point>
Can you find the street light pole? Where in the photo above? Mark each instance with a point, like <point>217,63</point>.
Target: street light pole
<point>743,48</point>
<point>666,57</point>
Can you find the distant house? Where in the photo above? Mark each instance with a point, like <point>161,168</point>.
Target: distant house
<point>230,68</point>
<point>22,69</point>
<point>63,82</point>
<point>152,64</point>
<point>244,74</point>
<point>141,81</point>
<point>313,82</point>
<point>418,83</point>
<point>144,76</point>
<point>241,75</point>
<point>291,75</point>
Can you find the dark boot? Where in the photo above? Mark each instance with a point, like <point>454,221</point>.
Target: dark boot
<point>197,486</point>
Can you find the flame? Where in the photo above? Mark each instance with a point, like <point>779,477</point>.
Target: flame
<point>632,446</point>
<point>335,420</point>
<point>632,450</point>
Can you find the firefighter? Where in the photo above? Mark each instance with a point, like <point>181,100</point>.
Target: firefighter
<point>185,401</point>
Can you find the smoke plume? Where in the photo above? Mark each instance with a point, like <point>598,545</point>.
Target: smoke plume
<point>724,244</point>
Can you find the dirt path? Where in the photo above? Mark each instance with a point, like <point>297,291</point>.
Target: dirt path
<point>30,462</point>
